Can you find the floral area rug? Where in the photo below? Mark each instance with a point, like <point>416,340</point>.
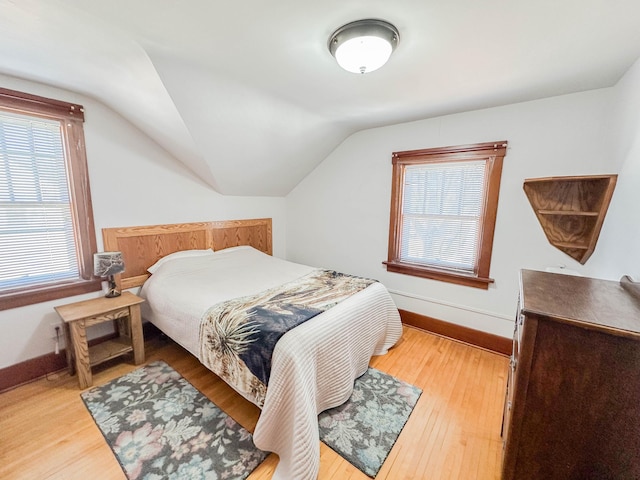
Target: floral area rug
<point>364,429</point>
<point>160,427</point>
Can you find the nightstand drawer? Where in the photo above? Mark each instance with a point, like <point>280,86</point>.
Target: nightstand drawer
<point>114,315</point>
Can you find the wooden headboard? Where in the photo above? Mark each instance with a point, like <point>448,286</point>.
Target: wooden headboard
<point>142,246</point>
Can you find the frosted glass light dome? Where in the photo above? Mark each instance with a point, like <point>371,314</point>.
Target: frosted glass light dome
<point>363,46</point>
<point>363,54</point>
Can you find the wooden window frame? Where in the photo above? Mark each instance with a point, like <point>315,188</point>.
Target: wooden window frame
<point>493,153</point>
<point>71,118</point>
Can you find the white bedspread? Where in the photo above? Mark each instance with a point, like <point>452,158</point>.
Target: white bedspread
<point>313,366</point>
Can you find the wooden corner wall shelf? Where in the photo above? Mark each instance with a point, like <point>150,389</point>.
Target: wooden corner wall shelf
<point>571,210</point>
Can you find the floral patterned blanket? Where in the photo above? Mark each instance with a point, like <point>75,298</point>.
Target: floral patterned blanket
<point>237,337</point>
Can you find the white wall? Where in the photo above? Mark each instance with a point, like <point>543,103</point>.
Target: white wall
<point>618,251</point>
<point>133,182</point>
<point>338,217</point>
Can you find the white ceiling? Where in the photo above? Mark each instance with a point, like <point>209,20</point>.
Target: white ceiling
<point>246,94</point>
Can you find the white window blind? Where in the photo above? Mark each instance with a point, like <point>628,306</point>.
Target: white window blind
<point>441,213</point>
<point>37,243</point>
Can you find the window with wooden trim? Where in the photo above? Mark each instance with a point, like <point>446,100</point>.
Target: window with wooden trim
<point>47,234</point>
<point>444,203</point>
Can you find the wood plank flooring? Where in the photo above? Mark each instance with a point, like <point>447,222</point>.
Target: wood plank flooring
<point>453,433</point>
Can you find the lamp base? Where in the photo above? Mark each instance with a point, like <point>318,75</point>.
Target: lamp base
<point>112,290</point>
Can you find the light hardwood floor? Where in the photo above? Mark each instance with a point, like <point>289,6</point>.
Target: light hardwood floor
<point>453,433</point>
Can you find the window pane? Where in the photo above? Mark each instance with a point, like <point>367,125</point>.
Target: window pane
<point>37,243</point>
<point>441,211</point>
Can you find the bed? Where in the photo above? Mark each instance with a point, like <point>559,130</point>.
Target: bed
<point>313,366</point>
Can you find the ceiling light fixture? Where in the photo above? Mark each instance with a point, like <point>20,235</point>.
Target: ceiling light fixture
<point>364,45</point>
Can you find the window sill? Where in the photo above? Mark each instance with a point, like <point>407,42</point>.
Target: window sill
<point>45,293</point>
<point>441,275</point>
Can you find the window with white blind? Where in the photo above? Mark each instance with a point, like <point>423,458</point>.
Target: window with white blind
<point>47,235</point>
<point>443,209</point>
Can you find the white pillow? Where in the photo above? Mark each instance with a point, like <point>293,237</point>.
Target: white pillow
<point>180,254</point>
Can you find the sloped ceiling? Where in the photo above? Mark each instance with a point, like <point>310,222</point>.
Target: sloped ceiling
<point>246,94</point>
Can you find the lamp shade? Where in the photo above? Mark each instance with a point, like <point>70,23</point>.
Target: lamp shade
<point>107,263</point>
<point>364,45</point>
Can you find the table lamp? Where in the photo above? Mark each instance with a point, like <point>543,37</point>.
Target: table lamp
<point>108,264</point>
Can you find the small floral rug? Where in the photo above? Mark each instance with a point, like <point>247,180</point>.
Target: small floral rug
<point>364,429</point>
<point>160,427</point>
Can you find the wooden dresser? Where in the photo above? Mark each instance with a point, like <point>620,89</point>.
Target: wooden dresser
<point>572,409</point>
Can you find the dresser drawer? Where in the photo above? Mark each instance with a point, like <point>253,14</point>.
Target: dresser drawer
<point>513,361</point>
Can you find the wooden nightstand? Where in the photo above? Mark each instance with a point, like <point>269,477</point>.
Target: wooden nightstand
<point>125,310</point>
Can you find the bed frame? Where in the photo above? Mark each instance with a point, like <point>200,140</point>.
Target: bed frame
<point>142,246</point>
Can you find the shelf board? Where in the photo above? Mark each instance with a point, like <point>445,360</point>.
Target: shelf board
<point>568,212</point>
<point>110,349</point>
<point>579,246</point>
